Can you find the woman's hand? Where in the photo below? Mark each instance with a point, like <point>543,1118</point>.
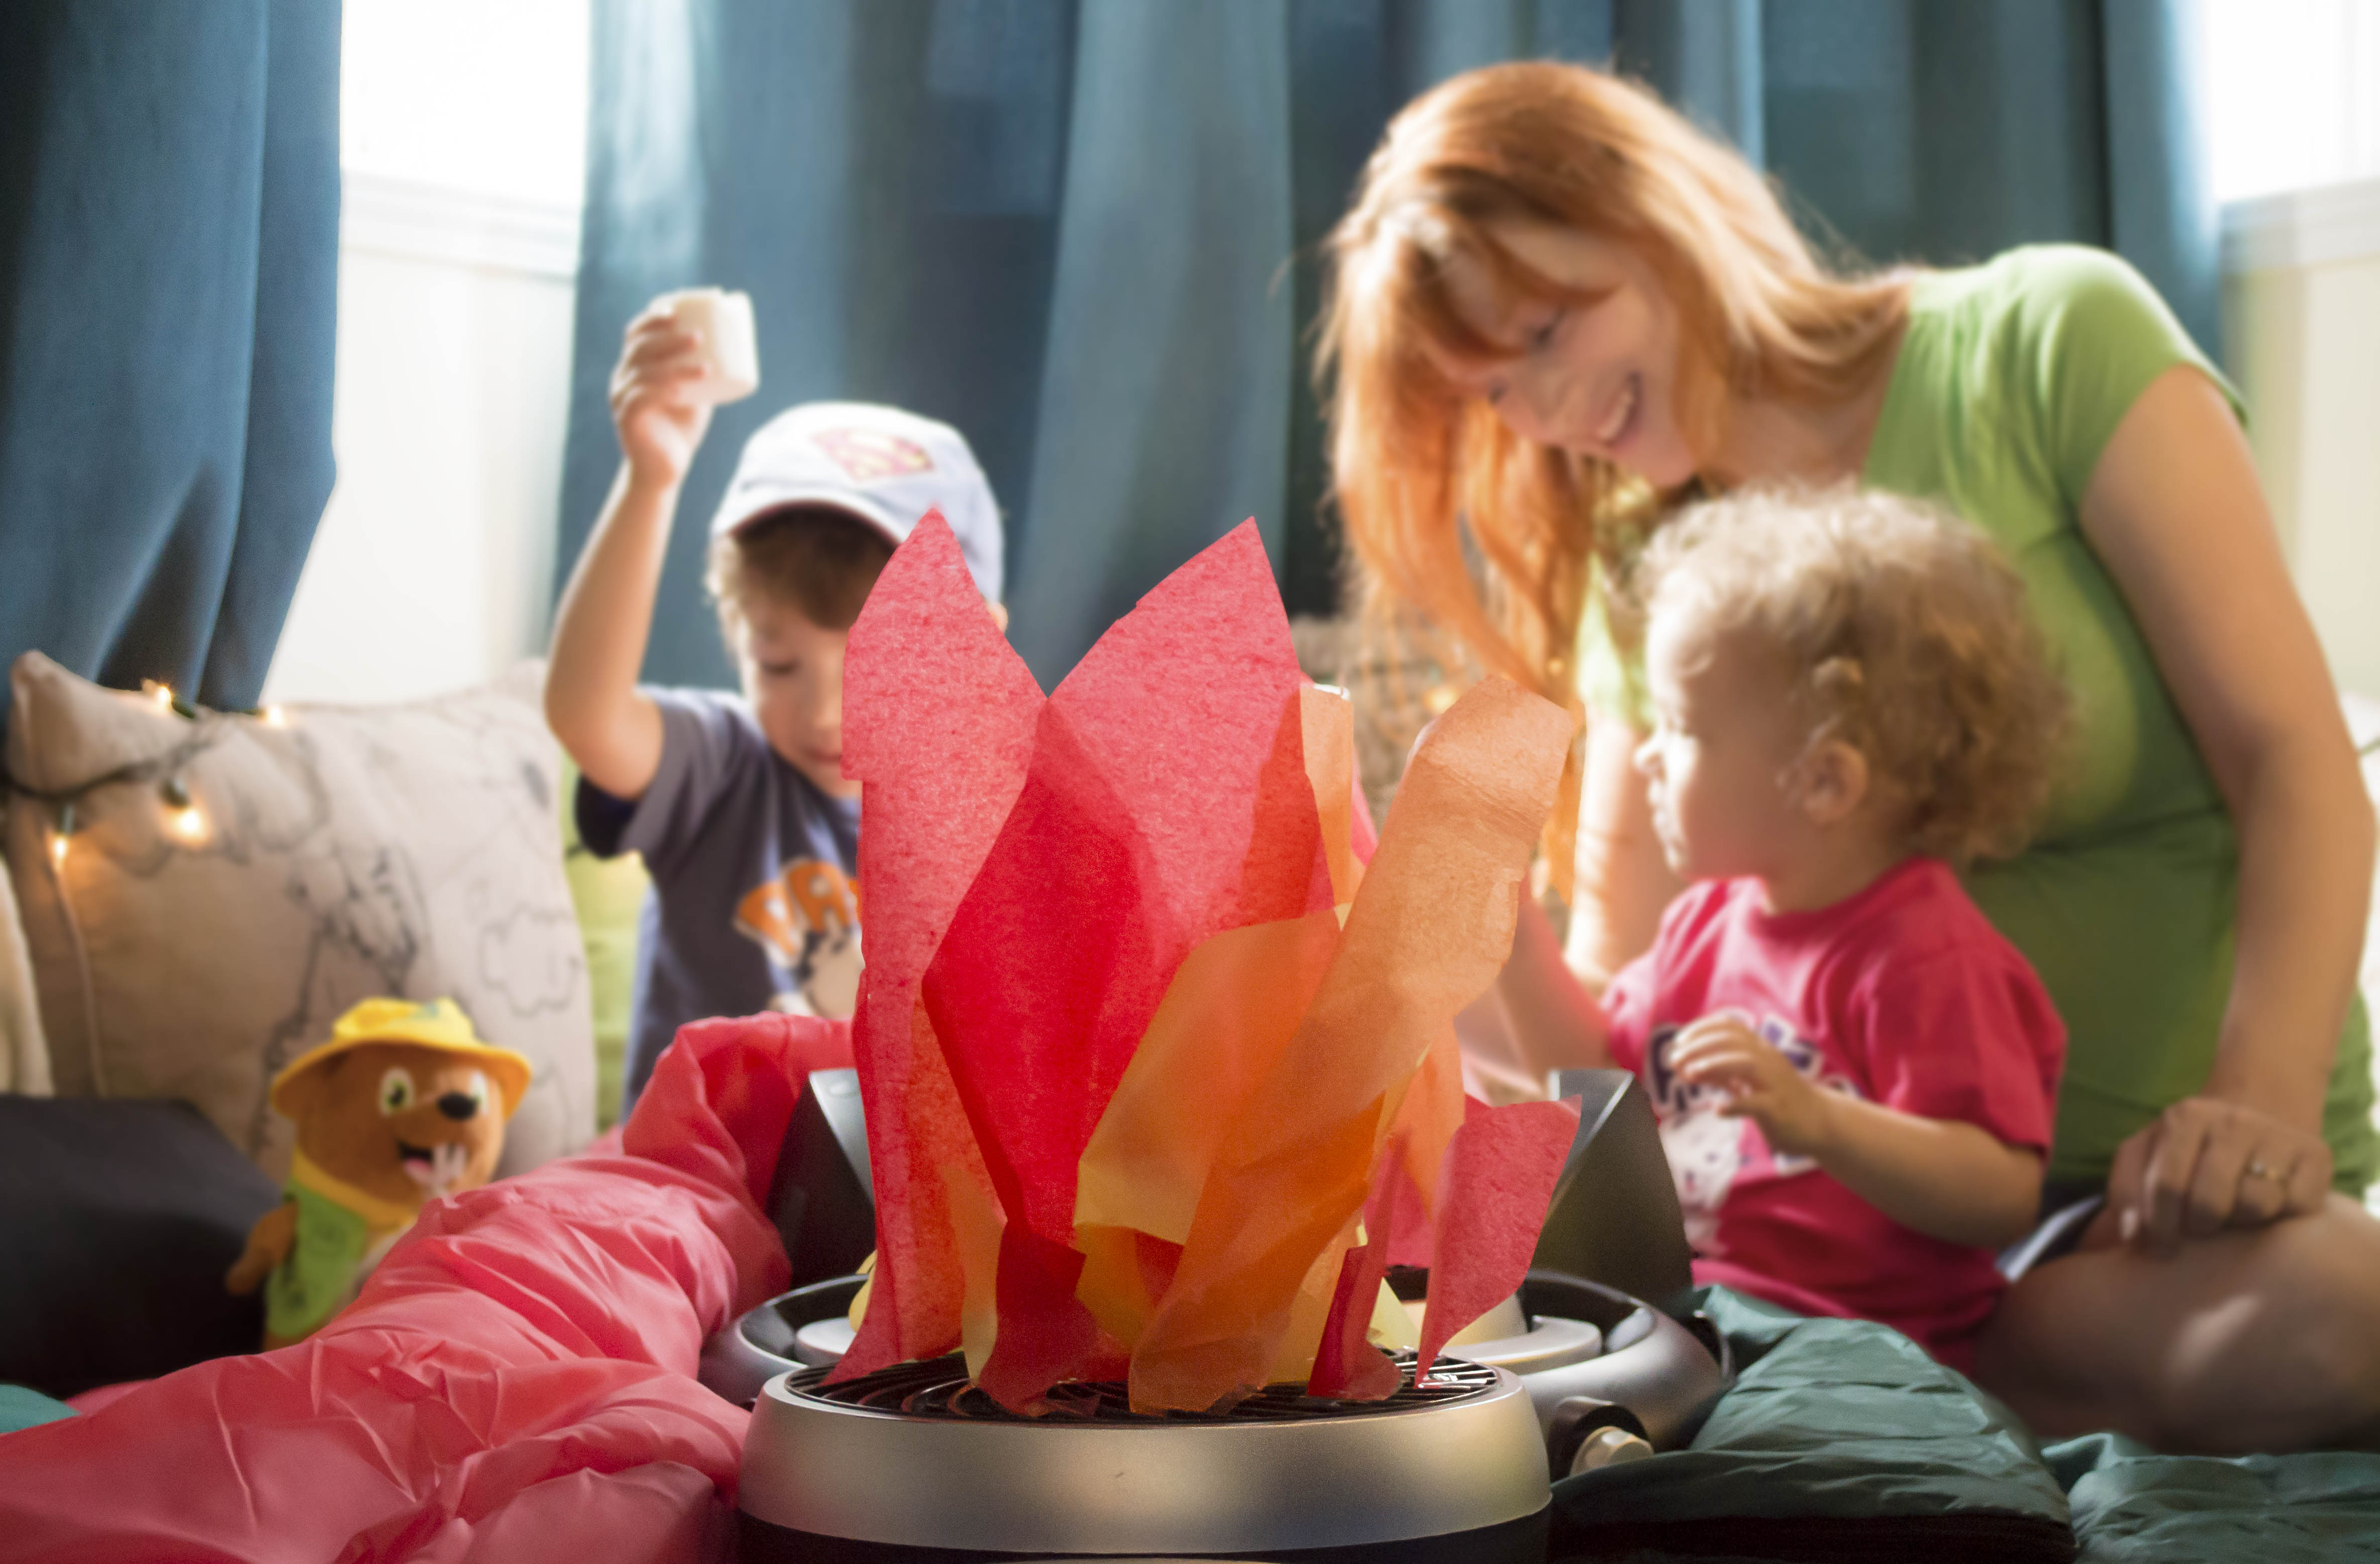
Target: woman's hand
<point>661,425</point>
<point>2204,1165</point>
<point>1724,1050</point>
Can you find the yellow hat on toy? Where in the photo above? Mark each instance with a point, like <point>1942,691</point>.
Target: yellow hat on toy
<point>438,1023</point>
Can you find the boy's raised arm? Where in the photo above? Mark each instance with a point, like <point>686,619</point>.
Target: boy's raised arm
<point>611,729</point>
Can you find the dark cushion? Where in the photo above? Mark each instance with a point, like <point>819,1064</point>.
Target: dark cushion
<point>117,1220</point>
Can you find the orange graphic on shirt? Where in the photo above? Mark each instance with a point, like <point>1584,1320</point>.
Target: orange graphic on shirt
<point>809,899</point>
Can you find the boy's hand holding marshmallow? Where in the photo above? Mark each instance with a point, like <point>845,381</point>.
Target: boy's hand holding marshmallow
<point>654,406</point>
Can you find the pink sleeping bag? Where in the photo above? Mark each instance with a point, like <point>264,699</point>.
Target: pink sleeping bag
<point>515,1381</point>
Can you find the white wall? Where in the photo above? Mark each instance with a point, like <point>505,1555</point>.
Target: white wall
<point>434,560</point>
<point>2301,321</point>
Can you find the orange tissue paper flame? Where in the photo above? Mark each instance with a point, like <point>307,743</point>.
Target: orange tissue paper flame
<point>1151,1030</point>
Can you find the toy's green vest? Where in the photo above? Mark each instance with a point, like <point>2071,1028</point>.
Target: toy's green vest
<point>339,1227</point>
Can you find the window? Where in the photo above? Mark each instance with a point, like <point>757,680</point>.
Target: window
<point>462,133</point>
<point>2293,93</point>
<point>487,97</point>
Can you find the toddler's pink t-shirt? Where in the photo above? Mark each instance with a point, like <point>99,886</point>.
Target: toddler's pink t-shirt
<point>1903,995</point>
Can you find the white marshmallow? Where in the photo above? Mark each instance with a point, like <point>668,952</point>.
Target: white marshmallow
<point>722,321</point>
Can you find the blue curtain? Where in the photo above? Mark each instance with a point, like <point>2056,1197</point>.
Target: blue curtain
<point>1084,232</point>
<point>169,205</point>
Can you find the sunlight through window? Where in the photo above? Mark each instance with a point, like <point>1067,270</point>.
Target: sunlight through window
<point>2294,92</point>
<point>488,96</point>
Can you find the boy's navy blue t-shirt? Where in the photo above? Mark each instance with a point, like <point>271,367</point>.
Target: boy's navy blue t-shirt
<point>754,902</point>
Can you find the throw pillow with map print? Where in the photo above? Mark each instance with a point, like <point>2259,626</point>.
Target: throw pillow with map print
<point>24,1052</point>
<point>236,884</point>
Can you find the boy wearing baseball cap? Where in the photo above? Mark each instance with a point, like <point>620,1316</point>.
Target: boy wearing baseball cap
<point>738,803</point>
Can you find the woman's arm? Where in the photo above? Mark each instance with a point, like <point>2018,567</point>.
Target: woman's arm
<point>1622,882</point>
<point>2174,513</point>
<point>1946,1180</point>
<point>1554,1022</point>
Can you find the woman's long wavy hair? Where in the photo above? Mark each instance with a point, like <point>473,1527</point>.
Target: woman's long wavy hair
<point>1417,462</point>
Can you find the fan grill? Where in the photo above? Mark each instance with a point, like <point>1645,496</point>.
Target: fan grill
<point>937,1389</point>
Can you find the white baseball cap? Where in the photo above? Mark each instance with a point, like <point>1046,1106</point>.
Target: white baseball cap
<point>884,465</point>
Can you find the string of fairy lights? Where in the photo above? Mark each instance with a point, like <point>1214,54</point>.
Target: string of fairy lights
<point>185,816</point>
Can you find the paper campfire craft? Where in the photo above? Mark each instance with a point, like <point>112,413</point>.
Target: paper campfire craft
<point>1155,1091</point>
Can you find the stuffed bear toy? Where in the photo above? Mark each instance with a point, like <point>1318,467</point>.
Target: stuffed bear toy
<point>403,1104</point>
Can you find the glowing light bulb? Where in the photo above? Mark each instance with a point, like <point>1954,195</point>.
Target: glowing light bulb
<point>275,717</point>
<point>183,816</point>
<point>58,848</point>
<point>163,695</point>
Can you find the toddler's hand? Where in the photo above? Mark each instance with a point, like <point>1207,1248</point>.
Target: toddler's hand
<point>1724,1050</point>
<point>661,425</point>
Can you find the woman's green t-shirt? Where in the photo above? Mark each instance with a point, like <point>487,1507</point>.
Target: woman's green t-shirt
<point>2010,379</point>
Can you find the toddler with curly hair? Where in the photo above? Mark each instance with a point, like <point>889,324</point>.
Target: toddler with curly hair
<point>1853,1071</point>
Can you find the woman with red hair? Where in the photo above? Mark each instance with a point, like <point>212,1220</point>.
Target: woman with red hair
<point>1557,311</point>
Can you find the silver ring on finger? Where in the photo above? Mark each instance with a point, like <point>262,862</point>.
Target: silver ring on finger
<point>2257,1168</point>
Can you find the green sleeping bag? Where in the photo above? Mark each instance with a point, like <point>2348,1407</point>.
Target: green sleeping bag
<point>1842,1440</point>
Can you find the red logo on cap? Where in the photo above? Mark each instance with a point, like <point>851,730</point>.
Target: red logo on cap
<point>867,455</point>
